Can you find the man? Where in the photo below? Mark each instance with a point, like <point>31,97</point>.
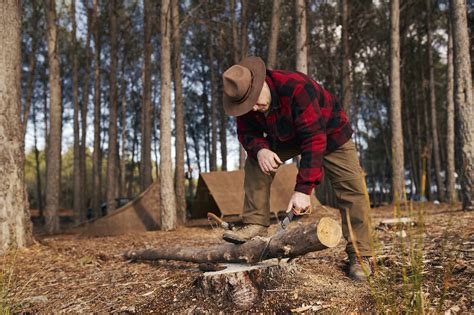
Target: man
<point>281,114</point>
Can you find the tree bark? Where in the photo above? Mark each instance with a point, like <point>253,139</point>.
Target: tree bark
<point>450,163</point>
<point>179,113</point>
<point>434,119</point>
<point>84,110</point>
<point>302,239</point>
<point>53,171</point>
<point>15,224</point>
<point>97,154</point>
<point>168,198</point>
<point>222,115</point>
<point>275,29</point>
<point>463,100</point>
<point>77,195</point>
<point>346,60</point>
<point>301,38</point>
<point>235,45</point>
<point>145,164</point>
<point>398,181</point>
<point>112,144</point>
<point>39,194</point>
<point>123,136</point>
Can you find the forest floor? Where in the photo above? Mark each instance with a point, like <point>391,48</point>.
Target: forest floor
<point>67,273</point>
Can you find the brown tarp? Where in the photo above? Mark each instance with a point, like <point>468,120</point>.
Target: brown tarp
<point>223,192</point>
<point>140,215</point>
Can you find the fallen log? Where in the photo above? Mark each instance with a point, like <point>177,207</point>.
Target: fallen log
<point>302,239</point>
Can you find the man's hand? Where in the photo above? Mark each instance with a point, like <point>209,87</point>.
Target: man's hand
<point>268,161</point>
<point>299,203</point>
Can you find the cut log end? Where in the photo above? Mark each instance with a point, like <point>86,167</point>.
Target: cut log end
<point>329,232</point>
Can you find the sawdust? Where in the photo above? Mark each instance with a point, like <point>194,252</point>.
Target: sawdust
<point>65,273</point>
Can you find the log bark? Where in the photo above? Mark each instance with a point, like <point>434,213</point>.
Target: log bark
<point>288,244</point>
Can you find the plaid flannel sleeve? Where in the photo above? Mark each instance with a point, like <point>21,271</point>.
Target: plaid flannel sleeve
<point>250,135</point>
<point>311,132</point>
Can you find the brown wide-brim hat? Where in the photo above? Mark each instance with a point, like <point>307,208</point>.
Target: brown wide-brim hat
<point>243,83</point>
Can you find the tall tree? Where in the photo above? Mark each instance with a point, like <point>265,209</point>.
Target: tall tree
<point>450,162</point>
<point>147,110</point>
<point>244,41</point>
<point>84,110</point>
<point>112,144</point>
<point>346,59</point>
<point>77,196</point>
<point>434,119</point>
<point>212,70</point>
<point>301,37</point>
<point>97,154</point>
<point>463,100</point>
<point>275,29</point>
<point>31,65</point>
<point>168,198</point>
<point>398,181</point>
<point>53,170</point>
<point>15,224</point>
<point>179,115</point>
<point>243,51</point>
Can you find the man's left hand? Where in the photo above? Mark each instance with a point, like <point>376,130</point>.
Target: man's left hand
<point>300,203</point>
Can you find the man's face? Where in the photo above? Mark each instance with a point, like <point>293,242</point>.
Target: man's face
<point>263,102</point>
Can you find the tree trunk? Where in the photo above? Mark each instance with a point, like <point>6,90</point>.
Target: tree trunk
<point>112,144</point>
<point>39,194</point>
<point>97,154</point>
<point>346,59</point>
<point>434,119</point>
<point>168,198</point>
<point>15,224</point>
<point>222,115</point>
<point>398,181</point>
<point>77,195</point>
<point>244,42</point>
<point>302,239</point>
<point>275,29</point>
<point>31,67</point>
<point>301,40</point>
<point>123,136</point>
<point>463,100</point>
<point>145,164</point>
<point>179,113</point>
<point>84,110</point>
<point>53,171</point>
<point>213,155</point>
<point>235,45</point>
<point>450,168</point>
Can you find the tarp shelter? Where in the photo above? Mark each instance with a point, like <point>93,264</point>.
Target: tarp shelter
<point>140,215</point>
<point>223,192</point>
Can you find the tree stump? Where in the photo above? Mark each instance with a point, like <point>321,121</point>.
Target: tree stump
<point>243,284</point>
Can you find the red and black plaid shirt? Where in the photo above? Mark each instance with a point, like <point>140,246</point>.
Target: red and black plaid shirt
<point>303,112</point>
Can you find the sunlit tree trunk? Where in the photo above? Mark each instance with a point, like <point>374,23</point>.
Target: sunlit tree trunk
<point>168,198</point>
<point>301,38</point>
<point>395,104</point>
<point>147,110</point>
<point>275,29</point>
<point>15,224</point>
<point>97,154</point>
<point>53,171</point>
<point>212,70</point>
<point>463,100</point>
<point>179,113</point>
<point>112,144</point>
<point>450,162</point>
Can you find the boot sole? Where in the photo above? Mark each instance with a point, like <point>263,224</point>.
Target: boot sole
<point>233,240</point>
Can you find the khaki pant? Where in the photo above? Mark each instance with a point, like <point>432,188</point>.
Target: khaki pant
<point>345,174</point>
